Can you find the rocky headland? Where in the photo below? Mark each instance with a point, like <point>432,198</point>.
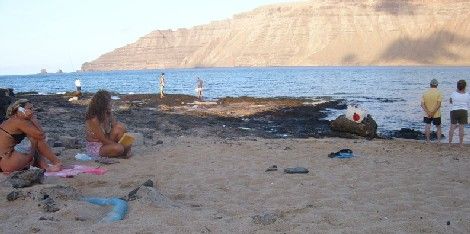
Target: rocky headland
<point>309,33</point>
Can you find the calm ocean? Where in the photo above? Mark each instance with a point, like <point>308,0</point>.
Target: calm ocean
<point>390,94</point>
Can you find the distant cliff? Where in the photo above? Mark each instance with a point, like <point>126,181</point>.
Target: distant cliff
<point>311,33</point>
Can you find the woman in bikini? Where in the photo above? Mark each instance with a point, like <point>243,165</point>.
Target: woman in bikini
<point>102,130</point>
<point>21,123</point>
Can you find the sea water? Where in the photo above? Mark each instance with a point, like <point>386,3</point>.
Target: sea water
<point>392,95</point>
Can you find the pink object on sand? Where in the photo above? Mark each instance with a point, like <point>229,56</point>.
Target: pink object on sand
<point>77,169</point>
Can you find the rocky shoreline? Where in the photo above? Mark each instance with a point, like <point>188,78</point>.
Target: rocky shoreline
<point>178,115</point>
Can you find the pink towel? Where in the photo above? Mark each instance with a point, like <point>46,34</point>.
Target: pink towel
<point>77,169</point>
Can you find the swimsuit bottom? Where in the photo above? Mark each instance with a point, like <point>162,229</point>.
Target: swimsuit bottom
<point>93,148</point>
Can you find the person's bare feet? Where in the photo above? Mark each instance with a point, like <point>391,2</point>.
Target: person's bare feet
<point>54,168</point>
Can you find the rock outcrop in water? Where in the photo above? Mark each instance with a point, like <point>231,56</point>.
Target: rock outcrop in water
<point>328,32</point>
<point>366,128</point>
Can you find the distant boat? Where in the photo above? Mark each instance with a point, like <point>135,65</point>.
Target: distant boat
<point>43,71</point>
<point>60,71</point>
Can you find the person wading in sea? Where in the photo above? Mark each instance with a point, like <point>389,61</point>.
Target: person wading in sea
<point>162,84</point>
<point>199,87</point>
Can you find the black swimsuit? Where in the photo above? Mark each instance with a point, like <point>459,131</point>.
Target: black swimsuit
<point>17,137</point>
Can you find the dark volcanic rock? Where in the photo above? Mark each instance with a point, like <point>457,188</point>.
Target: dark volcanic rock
<point>64,121</point>
<point>6,98</point>
<point>408,133</point>
<point>366,128</point>
<point>14,195</point>
<point>21,179</point>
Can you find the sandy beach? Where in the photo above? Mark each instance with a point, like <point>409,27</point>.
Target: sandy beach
<point>209,176</point>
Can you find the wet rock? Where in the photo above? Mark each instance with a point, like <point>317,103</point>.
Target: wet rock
<point>366,128</point>
<point>408,133</point>
<point>21,179</point>
<point>58,144</point>
<point>265,219</point>
<point>6,98</point>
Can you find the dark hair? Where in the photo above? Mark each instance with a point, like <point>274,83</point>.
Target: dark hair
<point>163,73</point>
<point>99,105</point>
<point>461,84</point>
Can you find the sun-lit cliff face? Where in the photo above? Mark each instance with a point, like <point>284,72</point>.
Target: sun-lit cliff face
<point>310,33</point>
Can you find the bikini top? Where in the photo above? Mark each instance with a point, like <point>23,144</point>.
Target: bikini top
<point>17,137</point>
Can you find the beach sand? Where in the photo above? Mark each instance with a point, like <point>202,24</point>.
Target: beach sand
<point>213,184</point>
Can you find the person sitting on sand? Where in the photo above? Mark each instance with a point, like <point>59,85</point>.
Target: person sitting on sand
<point>431,104</point>
<point>102,130</point>
<point>22,140</point>
<point>460,102</point>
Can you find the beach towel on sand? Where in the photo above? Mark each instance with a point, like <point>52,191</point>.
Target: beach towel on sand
<point>77,169</point>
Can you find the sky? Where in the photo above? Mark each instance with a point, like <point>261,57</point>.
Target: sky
<point>63,34</point>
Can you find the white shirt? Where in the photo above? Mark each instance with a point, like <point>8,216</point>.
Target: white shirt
<point>460,101</point>
<point>77,83</point>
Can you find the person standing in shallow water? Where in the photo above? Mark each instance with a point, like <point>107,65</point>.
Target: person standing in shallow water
<point>431,104</point>
<point>460,102</point>
<point>199,87</point>
<point>103,132</point>
<point>162,84</point>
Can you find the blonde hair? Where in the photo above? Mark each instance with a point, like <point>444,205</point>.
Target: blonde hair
<point>13,108</point>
